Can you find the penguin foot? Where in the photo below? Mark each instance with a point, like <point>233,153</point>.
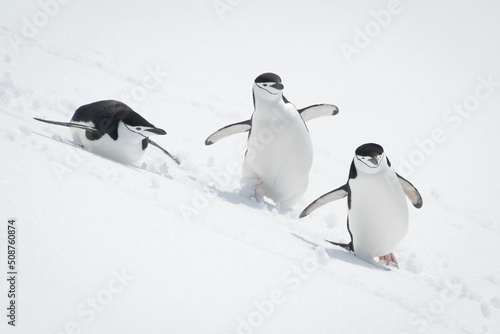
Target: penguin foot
<point>259,192</point>
<point>252,188</point>
<point>389,259</point>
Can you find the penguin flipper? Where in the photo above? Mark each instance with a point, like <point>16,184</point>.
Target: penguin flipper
<point>347,247</point>
<point>164,151</point>
<point>411,192</point>
<point>333,195</point>
<point>228,131</point>
<point>71,125</point>
<point>318,110</point>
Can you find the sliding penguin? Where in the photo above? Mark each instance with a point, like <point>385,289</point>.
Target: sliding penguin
<point>279,150</point>
<point>377,210</point>
<point>112,129</point>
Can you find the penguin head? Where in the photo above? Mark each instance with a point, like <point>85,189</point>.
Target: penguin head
<point>132,133</point>
<point>369,158</point>
<point>268,87</point>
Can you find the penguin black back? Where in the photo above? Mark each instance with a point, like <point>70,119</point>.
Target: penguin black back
<point>105,115</point>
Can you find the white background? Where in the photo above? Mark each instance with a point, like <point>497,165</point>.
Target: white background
<point>203,258</point>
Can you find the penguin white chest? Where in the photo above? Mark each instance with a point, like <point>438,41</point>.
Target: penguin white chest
<point>127,148</point>
<point>280,151</point>
<point>378,217</point>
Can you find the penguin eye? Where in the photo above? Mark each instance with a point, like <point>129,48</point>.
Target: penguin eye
<point>139,129</point>
<point>265,85</point>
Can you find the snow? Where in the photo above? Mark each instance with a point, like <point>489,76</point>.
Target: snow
<point>157,247</point>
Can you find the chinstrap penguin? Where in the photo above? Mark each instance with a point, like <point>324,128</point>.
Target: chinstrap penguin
<point>377,217</point>
<point>112,129</point>
<point>279,151</point>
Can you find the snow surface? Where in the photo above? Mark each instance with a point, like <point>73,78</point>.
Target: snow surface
<point>159,248</point>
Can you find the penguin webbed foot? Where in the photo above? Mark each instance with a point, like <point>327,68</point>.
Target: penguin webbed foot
<point>389,260</point>
<point>252,188</point>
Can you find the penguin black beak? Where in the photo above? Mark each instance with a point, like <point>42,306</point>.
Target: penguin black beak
<point>278,86</point>
<point>157,131</point>
<point>373,160</point>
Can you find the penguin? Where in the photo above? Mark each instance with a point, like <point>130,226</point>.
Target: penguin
<point>279,150</point>
<point>377,218</point>
<point>112,129</point>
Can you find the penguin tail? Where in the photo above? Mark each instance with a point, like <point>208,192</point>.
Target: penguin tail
<point>348,246</point>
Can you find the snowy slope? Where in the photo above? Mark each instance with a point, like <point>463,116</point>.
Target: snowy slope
<point>160,248</point>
